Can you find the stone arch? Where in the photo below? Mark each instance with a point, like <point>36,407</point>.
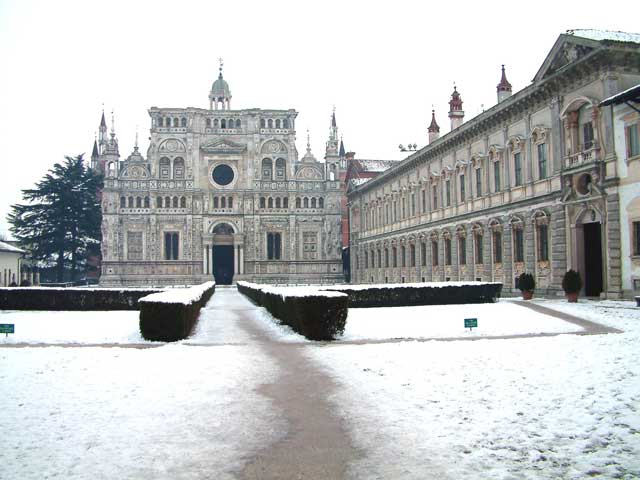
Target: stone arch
<point>223,227</point>
<point>274,147</point>
<point>172,145</point>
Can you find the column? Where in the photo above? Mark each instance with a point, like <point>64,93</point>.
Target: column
<point>205,251</point>
<point>241,259</point>
<point>211,261</point>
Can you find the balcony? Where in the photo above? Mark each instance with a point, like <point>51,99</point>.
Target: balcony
<point>587,153</point>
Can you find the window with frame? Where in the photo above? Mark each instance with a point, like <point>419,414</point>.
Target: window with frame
<point>171,245</point>
<point>274,245</point>
<point>423,253</point>
<point>496,176</point>
<point>395,210</point>
<point>310,246</point>
<point>518,245</point>
<point>434,253</point>
<point>394,256</point>
<point>462,189</point>
<point>517,168</point>
<point>435,198</point>
<point>543,242</point>
<point>404,207</point>
<point>636,238</point>
<point>448,192</point>
<point>386,257</point>
<point>379,258</point>
<point>134,245</point>
<point>447,251</point>
<point>412,255</point>
<point>165,168</point>
<point>424,201</point>
<point>478,182</point>
<point>497,247</point>
<point>403,256</point>
<point>478,242</point>
<point>462,250</point>
<point>366,259</point>
<point>632,134</point>
<point>587,135</point>
<point>413,204</point>
<point>542,160</point>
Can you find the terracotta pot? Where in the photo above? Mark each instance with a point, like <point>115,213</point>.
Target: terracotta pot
<point>527,294</point>
<point>572,297</point>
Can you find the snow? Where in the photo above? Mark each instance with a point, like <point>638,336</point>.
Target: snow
<point>185,296</point>
<point>605,35</point>
<point>410,285</point>
<point>534,408</point>
<point>300,291</point>
<point>5,247</point>
<point>447,321</point>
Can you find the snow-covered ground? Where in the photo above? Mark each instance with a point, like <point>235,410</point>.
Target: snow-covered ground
<point>438,321</point>
<point>546,407</point>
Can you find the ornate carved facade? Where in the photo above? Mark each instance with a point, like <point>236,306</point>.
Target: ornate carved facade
<point>221,194</point>
<point>528,185</point>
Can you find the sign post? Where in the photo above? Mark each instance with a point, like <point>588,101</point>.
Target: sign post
<point>470,323</point>
<point>7,328</point>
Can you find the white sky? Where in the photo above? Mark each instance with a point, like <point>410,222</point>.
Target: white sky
<point>382,64</point>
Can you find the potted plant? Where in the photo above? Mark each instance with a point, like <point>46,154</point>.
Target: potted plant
<point>571,284</point>
<point>527,285</point>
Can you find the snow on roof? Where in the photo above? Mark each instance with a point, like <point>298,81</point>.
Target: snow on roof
<point>359,181</point>
<point>376,165</point>
<point>5,247</point>
<point>605,35</point>
<point>628,94</point>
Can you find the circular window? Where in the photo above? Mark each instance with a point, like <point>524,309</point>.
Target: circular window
<point>222,175</point>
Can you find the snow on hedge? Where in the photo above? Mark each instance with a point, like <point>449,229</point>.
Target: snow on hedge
<point>306,291</point>
<point>368,286</point>
<point>185,296</point>
<point>81,289</point>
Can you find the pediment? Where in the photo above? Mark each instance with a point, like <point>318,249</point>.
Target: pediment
<point>135,171</point>
<point>568,49</point>
<point>223,146</point>
<point>309,173</point>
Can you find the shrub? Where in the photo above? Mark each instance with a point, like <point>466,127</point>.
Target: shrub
<point>47,298</point>
<point>170,315</point>
<point>571,282</point>
<point>526,282</point>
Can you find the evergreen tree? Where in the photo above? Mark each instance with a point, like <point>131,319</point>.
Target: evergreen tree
<point>60,223</point>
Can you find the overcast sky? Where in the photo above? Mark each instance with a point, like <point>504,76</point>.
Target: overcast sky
<point>382,64</point>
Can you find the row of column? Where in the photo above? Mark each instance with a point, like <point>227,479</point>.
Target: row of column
<point>238,259</point>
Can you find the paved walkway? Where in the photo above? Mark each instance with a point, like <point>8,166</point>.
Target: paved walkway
<point>316,445</point>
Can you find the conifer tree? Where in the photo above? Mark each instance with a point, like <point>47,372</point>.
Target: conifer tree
<point>60,221</point>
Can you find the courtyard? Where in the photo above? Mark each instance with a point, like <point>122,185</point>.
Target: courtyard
<point>406,392</point>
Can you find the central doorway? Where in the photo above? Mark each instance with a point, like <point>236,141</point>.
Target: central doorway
<point>592,259</point>
<point>223,264</point>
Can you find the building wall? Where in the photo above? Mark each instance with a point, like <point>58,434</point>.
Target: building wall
<point>9,268</point>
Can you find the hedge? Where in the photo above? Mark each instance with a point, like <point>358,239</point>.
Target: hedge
<point>170,315</point>
<point>316,314</point>
<point>408,294</point>
<point>43,298</point>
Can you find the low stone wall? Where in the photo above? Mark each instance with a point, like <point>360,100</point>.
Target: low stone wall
<point>316,314</point>
<point>170,315</point>
<point>408,294</point>
<point>43,298</point>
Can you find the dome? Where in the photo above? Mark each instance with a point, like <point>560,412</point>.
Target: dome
<point>220,88</point>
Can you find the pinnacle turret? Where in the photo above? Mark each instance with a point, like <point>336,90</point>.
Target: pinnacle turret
<point>504,87</point>
<point>434,128</point>
<point>456,114</point>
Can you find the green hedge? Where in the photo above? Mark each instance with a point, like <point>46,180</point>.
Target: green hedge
<point>434,293</point>
<point>171,315</point>
<point>310,312</point>
<point>43,298</point>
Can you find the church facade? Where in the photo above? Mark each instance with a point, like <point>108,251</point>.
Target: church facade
<point>221,195</point>
<point>530,185</point>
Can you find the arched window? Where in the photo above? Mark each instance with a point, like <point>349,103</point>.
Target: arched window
<point>165,168</point>
<point>270,123</point>
<point>280,169</point>
<point>130,202</point>
<point>123,202</point>
<point>176,122</point>
<point>278,202</point>
<point>146,202</point>
<point>238,124</point>
<point>223,123</point>
<point>111,169</point>
<point>278,123</point>
<point>138,202</point>
<point>285,123</point>
<point>262,204</point>
<point>183,122</point>
<point>270,202</point>
<point>215,202</point>
<point>215,123</point>
<point>285,202</point>
<point>160,121</point>
<point>183,202</point>
<point>230,202</point>
<point>262,123</point>
<point>267,169</point>
<point>321,202</point>
<point>175,202</point>
<point>178,168</point>
<point>306,202</point>
<point>167,202</point>
<point>159,202</point>
<point>223,202</point>
<point>298,202</point>
<point>313,202</point>
<point>208,123</point>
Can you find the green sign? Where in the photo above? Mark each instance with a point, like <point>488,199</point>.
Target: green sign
<point>470,323</point>
<point>7,328</point>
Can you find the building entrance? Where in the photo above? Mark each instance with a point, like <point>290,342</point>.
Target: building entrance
<point>223,264</point>
<point>592,259</point>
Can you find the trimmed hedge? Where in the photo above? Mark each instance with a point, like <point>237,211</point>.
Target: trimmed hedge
<point>43,298</point>
<point>170,315</point>
<point>409,294</point>
<point>313,313</point>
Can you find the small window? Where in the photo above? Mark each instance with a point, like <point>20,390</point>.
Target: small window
<point>313,203</point>
<point>160,123</point>
<point>462,189</point>
<point>167,202</point>
<point>394,256</point>
<point>238,123</point>
<point>159,202</point>
<point>496,176</point>
<point>403,256</point>
<point>270,123</point>
<point>270,202</point>
<point>183,122</point>
<point>262,123</point>
<point>285,123</point>
<point>636,238</point>
<point>262,202</point>
<point>497,247</point>
<point>434,253</point>
<point>208,123</point>
<point>285,202</point>
<point>278,123</point>
<point>306,202</point>
<point>230,202</point>
<point>447,251</point>
<point>216,123</point>
<point>278,205</point>
<point>633,140</point>
<point>130,202</point>
<point>223,202</point>
<point>216,202</point>
<point>176,122</point>
<point>267,169</point>
<point>274,246</point>
<point>123,202</point>
<point>412,255</point>
<point>478,241</point>
<point>478,182</point>
<point>517,168</point>
<point>435,198</point>
<point>448,192</point>
<point>462,250</point>
<point>321,202</point>
<point>518,245</point>
<point>543,243</point>
<point>423,253</point>
<point>146,202</point>
<point>175,202</point>
<point>542,160</point>
<point>183,202</point>
<point>223,123</point>
<point>171,245</point>
<point>298,202</point>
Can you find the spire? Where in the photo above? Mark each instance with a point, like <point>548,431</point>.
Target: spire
<point>456,114</point>
<point>434,128</point>
<point>103,123</point>
<point>333,131</point>
<point>113,125</point>
<point>220,94</point>
<point>135,147</point>
<point>504,87</point>
<point>308,142</point>
<point>341,152</point>
<point>308,157</point>
<point>94,153</point>
<point>102,138</point>
<point>333,117</point>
